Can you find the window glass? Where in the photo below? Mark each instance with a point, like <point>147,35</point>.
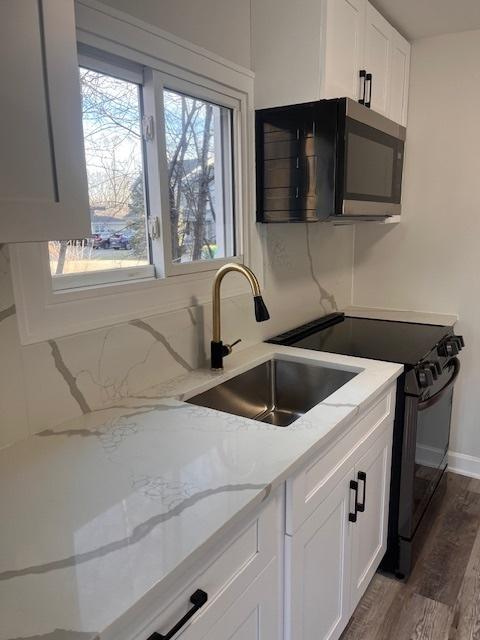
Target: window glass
<point>199,156</point>
<point>111,110</point>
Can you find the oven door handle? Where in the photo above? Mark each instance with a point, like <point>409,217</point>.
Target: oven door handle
<point>424,404</point>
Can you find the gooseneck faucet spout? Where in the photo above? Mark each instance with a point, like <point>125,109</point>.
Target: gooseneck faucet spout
<point>218,349</point>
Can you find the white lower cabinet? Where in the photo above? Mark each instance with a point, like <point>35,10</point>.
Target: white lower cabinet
<point>333,554</point>
<point>318,570</point>
<point>241,577</point>
<point>372,473</point>
<point>297,569</point>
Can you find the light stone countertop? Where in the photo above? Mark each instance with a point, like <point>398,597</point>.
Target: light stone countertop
<point>102,510</point>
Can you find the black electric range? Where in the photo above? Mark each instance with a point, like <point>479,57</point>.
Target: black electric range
<point>422,415</point>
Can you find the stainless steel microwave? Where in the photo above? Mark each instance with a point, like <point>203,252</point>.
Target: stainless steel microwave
<point>325,160</point>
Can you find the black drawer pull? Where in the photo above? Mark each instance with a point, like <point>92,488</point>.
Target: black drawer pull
<point>198,599</point>
<point>362,476</point>
<point>352,517</point>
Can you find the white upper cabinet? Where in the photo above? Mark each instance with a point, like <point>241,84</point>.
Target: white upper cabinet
<point>378,47</point>
<point>343,48</point>
<point>399,78</point>
<point>357,39</point>
<point>43,183</point>
<point>320,51</point>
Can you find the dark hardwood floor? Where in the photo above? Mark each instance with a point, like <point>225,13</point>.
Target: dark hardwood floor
<point>441,599</point>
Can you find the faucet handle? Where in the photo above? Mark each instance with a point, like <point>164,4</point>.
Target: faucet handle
<point>230,346</point>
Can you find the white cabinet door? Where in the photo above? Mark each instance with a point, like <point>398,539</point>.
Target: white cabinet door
<point>378,37</point>
<point>399,78</point>
<point>369,533</point>
<point>343,51</point>
<point>318,570</point>
<point>255,615</point>
<point>43,184</point>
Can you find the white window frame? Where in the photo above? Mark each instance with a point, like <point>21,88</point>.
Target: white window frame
<point>155,83</point>
<point>129,72</point>
<point>44,312</point>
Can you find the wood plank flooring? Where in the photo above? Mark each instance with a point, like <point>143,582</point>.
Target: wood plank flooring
<point>441,599</point>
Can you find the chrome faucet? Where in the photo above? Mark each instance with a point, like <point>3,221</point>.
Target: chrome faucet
<point>218,349</point>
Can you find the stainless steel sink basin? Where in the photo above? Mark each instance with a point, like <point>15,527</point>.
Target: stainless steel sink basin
<point>277,392</point>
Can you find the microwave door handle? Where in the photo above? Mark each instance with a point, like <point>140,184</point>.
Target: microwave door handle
<point>363,83</point>
<point>369,80</point>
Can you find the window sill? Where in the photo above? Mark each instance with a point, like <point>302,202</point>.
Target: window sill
<point>44,313</point>
<point>74,281</point>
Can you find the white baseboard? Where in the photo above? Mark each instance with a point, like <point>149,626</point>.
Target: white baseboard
<point>464,464</point>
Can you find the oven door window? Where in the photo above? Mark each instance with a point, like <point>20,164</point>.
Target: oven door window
<point>373,164</point>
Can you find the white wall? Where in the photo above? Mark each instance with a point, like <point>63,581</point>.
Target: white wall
<point>286,72</point>
<point>221,26</point>
<point>431,261</point>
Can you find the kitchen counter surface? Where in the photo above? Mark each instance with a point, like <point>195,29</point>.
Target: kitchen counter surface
<point>422,317</point>
<point>99,512</point>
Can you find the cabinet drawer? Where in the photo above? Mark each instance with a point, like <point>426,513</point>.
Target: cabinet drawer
<point>226,574</point>
<point>308,488</point>
<point>255,615</point>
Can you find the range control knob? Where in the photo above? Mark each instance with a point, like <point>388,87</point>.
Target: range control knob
<point>424,376</point>
<point>455,346</point>
<point>450,347</point>
<point>433,368</point>
<point>444,349</point>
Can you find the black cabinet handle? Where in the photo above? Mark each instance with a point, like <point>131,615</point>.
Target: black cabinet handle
<point>360,506</point>
<point>363,82</point>
<point>369,80</point>
<point>198,599</point>
<point>352,517</point>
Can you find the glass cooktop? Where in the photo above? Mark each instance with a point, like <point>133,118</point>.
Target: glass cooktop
<point>403,342</point>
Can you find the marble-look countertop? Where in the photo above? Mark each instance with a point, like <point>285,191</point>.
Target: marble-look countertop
<point>422,317</point>
<point>98,512</point>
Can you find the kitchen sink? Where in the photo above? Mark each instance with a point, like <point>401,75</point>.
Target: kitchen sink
<point>277,392</point>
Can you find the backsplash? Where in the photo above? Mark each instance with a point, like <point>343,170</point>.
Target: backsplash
<point>307,273</point>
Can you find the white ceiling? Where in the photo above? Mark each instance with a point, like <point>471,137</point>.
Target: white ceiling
<point>423,18</point>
